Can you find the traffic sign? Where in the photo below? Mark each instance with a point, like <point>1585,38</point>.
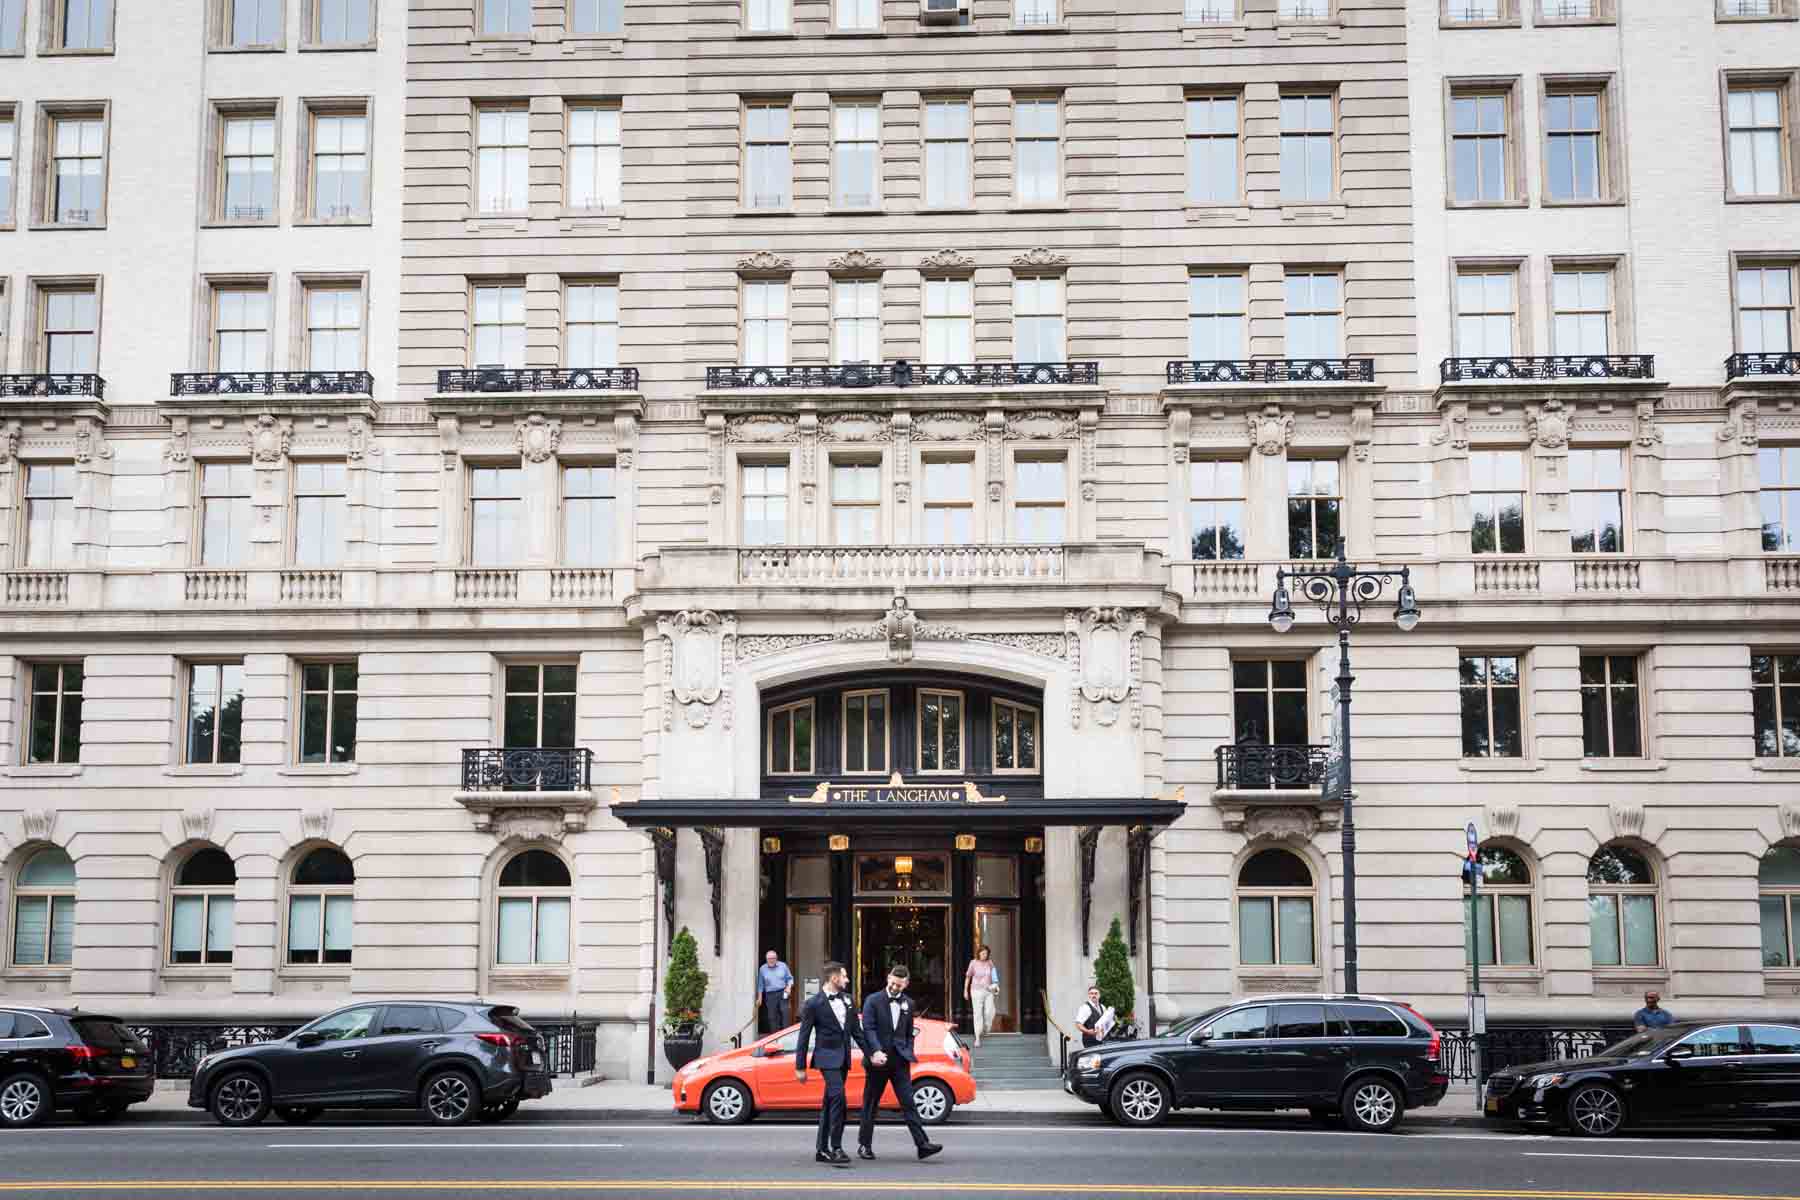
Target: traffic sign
<point>1473,840</point>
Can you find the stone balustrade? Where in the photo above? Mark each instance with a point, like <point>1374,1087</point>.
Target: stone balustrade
<point>201,588</point>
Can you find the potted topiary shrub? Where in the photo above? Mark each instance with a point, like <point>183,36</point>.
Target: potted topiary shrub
<point>1112,972</point>
<point>684,990</point>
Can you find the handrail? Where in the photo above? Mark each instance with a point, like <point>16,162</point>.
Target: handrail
<point>1062,1057</point>
<point>737,1039</point>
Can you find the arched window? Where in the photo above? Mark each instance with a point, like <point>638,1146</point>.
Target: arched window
<point>533,924</point>
<point>202,908</point>
<point>319,908</point>
<point>1275,910</point>
<point>1503,911</point>
<point>1778,879</point>
<point>1622,908</point>
<point>44,910</point>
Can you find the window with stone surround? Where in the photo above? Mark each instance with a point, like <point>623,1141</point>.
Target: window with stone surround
<point>765,332</point>
<point>334,340</point>
<point>76,25</point>
<point>949,314</point>
<point>1492,709</point>
<point>1612,721</point>
<point>539,706</point>
<point>591,324</point>
<point>532,922</point>
<point>1778,480</point>
<point>1765,304</point>
<point>1210,12</point>
<point>603,18</point>
<point>321,909</point>
<point>856,320</point>
<point>1268,701</point>
<point>1503,928</point>
<point>1622,897</point>
<point>1040,319</point>
<point>9,143</point>
<point>1478,12</point>
<point>497,331</point>
<point>12,29</point>
<point>1778,898</point>
<point>1015,737</point>
<point>505,18</point>
<point>1755,10</point>
<point>1300,11</point>
<point>948,153</point>
<point>1482,144</point>
<point>44,910</point>
<point>1581,302</point>
<point>240,327</point>
<point>244,183</point>
<point>502,160</point>
<point>328,712</point>
<point>1775,703</point>
<point>1308,132</point>
<point>866,737</point>
<point>1216,529</point>
<point>250,24</point>
<point>1213,148</point>
<point>768,154</point>
<point>764,499</point>
<point>856,503</point>
<point>766,16</point>
<point>1217,316</point>
<point>1487,312</point>
<point>496,514</point>
<point>341,23</point>
<point>68,328</point>
<point>213,730</point>
<point>1040,498</point>
<point>596,162</point>
<point>856,16</point>
<point>1037,149</point>
<point>225,513</point>
<point>948,487</point>
<point>790,738</point>
<point>1597,501</point>
<point>1275,911</point>
<point>589,513</point>
<point>55,716</point>
<point>338,178</point>
<point>49,514</point>
<point>1579,143</point>
<point>1034,12</point>
<point>321,489</point>
<point>856,153</point>
<point>202,909</point>
<point>1497,493</point>
<point>1315,507</point>
<point>75,173</point>
<point>1550,12</point>
<point>940,732</point>
<point>1314,325</point>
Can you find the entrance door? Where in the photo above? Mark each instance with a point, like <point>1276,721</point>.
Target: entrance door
<point>998,929</point>
<point>915,934</point>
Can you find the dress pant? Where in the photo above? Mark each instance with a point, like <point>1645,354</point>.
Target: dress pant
<point>833,1111</point>
<point>776,1005</point>
<point>983,1000</point>
<point>899,1072</point>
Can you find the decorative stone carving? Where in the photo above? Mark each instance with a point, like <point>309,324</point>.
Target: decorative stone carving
<point>1042,424</point>
<point>762,427</point>
<point>524,825</point>
<point>947,427</point>
<point>1040,256</point>
<point>1454,428</point>
<point>1503,820</point>
<point>698,649</point>
<point>315,823</point>
<point>270,438</point>
<point>855,427</point>
<point>761,644</point>
<point>947,261</point>
<point>1790,820</point>
<point>359,445</point>
<point>88,443</point>
<point>1742,426</point>
<point>1050,645</point>
<point>9,441</point>
<point>1362,431</point>
<point>1627,820</point>
<point>450,441</point>
<point>1181,432</point>
<point>855,262</point>
<point>196,824</point>
<point>1649,433</point>
<point>175,450</point>
<point>1271,429</point>
<point>1280,825</point>
<point>1105,646</point>
<point>900,627</point>
<point>37,823</point>
<point>1548,424</point>
<point>765,262</point>
<point>538,436</point>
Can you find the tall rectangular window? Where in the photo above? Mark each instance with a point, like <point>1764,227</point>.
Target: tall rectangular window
<point>496,515</point>
<point>81,24</point>
<point>253,23</point>
<point>247,168</point>
<point>1315,314</point>
<point>949,321</point>
<point>1496,502</point>
<point>77,169</point>
<point>1039,320</point>
<point>505,18</point>
<point>592,337</point>
<point>341,22</point>
<point>1015,743</point>
<point>790,738</point>
<point>1040,500</point>
<point>856,154</point>
<point>596,170</point>
<point>768,155</point>
<point>56,713</point>
<point>857,16</point>
<point>334,339</point>
<point>866,732</point>
<point>1306,147</point>
<point>320,499</point>
<point>499,329</point>
<point>1478,148</point>
<point>9,143</point>
<point>1597,501</point>
<point>1303,10</point>
<point>225,514</point>
<point>949,502</point>
<point>1216,508</point>
<point>340,165</point>
<point>1765,300</point>
<point>766,16</point>
<point>1487,313</point>
<point>1268,699</point>
<point>1212,149</point>
<point>540,705</point>
<point>765,496</point>
<point>1573,152</point>
<point>590,500</point>
<point>1037,151</point>
<point>1491,715</point>
<point>1315,507</point>
<point>947,154</point>
<point>215,712</point>
<point>1775,701</point>
<point>856,503</point>
<point>1758,122</point>
<point>1583,317</point>
<point>765,322</point>
<point>1611,715</point>
<point>1210,12</point>
<point>1472,12</point>
<point>503,160</point>
<point>1216,318</point>
<point>605,18</point>
<point>1034,12</point>
<point>328,712</point>
<point>940,731</point>
<point>240,333</point>
<point>12,26</point>
<point>1568,10</point>
<point>856,320</point>
<point>71,331</point>
<point>49,514</point>
<point>1778,481</point>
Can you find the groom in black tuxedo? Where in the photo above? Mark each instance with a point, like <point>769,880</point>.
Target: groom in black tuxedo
<point>888,1020</point>
<point>830,1015</point>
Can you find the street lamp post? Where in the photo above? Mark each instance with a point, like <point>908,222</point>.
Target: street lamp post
<point>1341,591</point>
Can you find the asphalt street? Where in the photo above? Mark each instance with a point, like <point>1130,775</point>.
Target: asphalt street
<point>1196,1157</point>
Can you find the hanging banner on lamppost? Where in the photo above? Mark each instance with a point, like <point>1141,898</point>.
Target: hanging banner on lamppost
<point>1337,755</point>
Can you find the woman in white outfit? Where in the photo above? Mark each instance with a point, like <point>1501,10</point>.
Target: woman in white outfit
<point>981,983</point>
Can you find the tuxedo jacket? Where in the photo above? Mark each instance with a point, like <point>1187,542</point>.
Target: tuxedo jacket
<point>828,1040</point>
<point>883,1034</point>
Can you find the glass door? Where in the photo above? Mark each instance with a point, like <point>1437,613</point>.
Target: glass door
<point>997,927</point>
<point>915,934</point>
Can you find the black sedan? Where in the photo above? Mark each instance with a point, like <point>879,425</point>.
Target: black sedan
<point>1689,1073</point>
<point>454,1061</point>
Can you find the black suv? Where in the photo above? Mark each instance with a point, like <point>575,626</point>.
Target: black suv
<point>53,1058</point>
<point>1361,1059</point>
<point>453,1060</point>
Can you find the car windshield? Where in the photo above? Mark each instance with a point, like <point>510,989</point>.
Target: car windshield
<point>1187,1025</point>
<point>104,1033</point>
<point>1636,1046</point>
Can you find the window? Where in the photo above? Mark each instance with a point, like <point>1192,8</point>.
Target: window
<point>80,24</point>
<point>1757,121</point>
<point>592,338</point>
<point>1753,8</point>
<point>340,165</point>
<point>1582,320</point>
<point>856,320</point>
<point>533,920</point>
<point>1778,475</point>
<point>333,328</point>
<point>856,154</point>
<point>1473,12</point>
<point>766,16</point>
<point>603,17</point>
<point>247,168</point>
<point>1570,10</point>
<point>1306,137</point>
<point>1040,500</point>
<point>1211,12</point>
<point>1243,1024</point>
<point>319,513</point>
<point>1487,313</point>
<point>949,502</point>
<point>1621,909</point>
<point>44,910</point>
<point>1479,158</point>
<point>49,514</point>
<point>506,18</point>
<point>503,160</point>
<point>1216,317</point>
<point>857,15</point>
<point>765,322</point>
<point>1216,508</point>
<point>949,320</point>
<point>201,908</point>
<point>1774,700</point>
<point>765,496</point>
<point>590,494</point>
<point>768,155</point>
<point>321,906</point>
<point>1037,151</point>
<point>947,154</point>
<point>1212,149</point>
<point>56,713</point>
<point>1315,303</point>
<point>1502,911</point>
<point>215,712</point>
<point>496,514</point>
<point>1304,10</point>
<point>1572,154</point>
<point>791,739</point>
<point>71,331</point>
<point>252,23</point>
<point>1496,502</point>
<point>328,712</point>
<point>1492,720</point>
<point>1778,880</point>
<point>1611,722</point>
<point>12,26</point>
<point>940,732</point>
<point>347,1026</point>
<point>596,165</point>
<point>866,732</point>
<point>499,325</point>
<point>1269,701</point>
<point>1596,501</point>
<point>856,503</point>
<point>77,191</point>
<point>1038,320</point>
<point>540,705</point>
<point>342,22</point>
<point>1765,298</point>
<point>1275,910</point>
<point>8,148</point>
<point>1015,738</point>
<point>225,514</point>
<point>1034,12</point>
<point>240,333</point>
<point>1315,508</point>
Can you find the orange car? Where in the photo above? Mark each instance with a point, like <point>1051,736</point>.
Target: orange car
<point>735,1085</point>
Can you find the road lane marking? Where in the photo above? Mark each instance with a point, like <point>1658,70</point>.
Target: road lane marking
<point>450,1146</point>
<point>1664,1157</point>
<point>885,1186</point>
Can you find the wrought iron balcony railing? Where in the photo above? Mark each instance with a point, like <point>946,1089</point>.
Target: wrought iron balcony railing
<point>1252,765</point>
<point>1516,1045</point>
<point>1271,370</point>
<point>901,373</point>
<point>526,769</point>
<point>271,383</point>
<point>538,379</point>
<point>53,385</point>
<point>1548,366</point>
<point>1778,362</point>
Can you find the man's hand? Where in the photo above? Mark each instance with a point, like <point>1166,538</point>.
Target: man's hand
<point>880,1058</point>
<point>800,1074</point>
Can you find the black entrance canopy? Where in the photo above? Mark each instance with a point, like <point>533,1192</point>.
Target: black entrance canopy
<point>841,807</point>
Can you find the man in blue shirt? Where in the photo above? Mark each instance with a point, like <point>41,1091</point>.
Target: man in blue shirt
<point>773,983</point>
<point>1653,1015</point>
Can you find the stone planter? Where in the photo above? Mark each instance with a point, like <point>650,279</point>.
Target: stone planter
<point>681,1048</point>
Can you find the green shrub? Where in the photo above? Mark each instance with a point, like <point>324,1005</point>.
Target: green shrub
<point>684,987</point>
<point>1112,972</point>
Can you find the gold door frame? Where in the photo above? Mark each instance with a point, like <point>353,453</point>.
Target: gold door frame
<point>1014,909</point>
<point>946,1013</point>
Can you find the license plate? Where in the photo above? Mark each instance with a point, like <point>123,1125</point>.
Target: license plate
<point>1493,1104</point>
<point>128,1063</point>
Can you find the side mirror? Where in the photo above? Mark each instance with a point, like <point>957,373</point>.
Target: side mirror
<point>1678,1053</point>
<point>308,1038</point>
<point>1200,1037</point>
<point>771,1051</point>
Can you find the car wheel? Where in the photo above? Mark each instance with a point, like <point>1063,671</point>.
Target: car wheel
<point>726,1102</point>
<point>299,1114</point>
<point>24,1100</point>
<point>1595,1110</point>
<point>1140,1100</point>
<point>240,1099</point>
<point>449,1098</point>
<point>493,1114</point>
<point>933,1102</point>
<point>99,1114</point>
<point>1372,1105</point>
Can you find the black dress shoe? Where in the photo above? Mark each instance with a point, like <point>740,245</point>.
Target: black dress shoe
<point>824,1156</point>
<point>864,1152</point>
<point>929,1149</point>
<point>840,1158</point>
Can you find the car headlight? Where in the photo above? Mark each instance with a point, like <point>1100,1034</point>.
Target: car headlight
<point>1088,1062</point>
<point>694,1066</point>
<point>1544,1081</point>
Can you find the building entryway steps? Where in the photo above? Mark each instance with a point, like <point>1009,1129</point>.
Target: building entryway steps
<point>1011,1062</point>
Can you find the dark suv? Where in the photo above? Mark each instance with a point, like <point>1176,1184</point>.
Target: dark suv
<point>53,1058</point>
<point>452,1060</point>
<point>1361,1059</point>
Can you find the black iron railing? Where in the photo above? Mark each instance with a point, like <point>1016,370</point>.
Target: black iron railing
<point>53,385</point>
<point>902,373</point>
<point>1517,1045</point>
<point>1785,362</point>
<point>177,1048</point>
<point>271,383</point>
<point>1549,366</point>
<point>1254,765</point>
<point>538,379</point>
<point>1271,370</point>
<point>569,1048</point>
<point>526,769</point>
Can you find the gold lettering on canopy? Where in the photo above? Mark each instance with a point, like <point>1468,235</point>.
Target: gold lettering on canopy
<point>896,791</point>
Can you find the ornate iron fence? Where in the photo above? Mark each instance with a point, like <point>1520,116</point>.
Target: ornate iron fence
<point>1253,765</point>
<point>538,379</point>
<point>53,385</point>
<point>571,1048</point>
<point>177,1048</point>
<point>901,373</point>
<point>1271,370</point>
<point>1548,366</point>
<point>271,383</point>
<point>1739,366</point>
<point>1515,1045</point>
<point>526,769</point>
